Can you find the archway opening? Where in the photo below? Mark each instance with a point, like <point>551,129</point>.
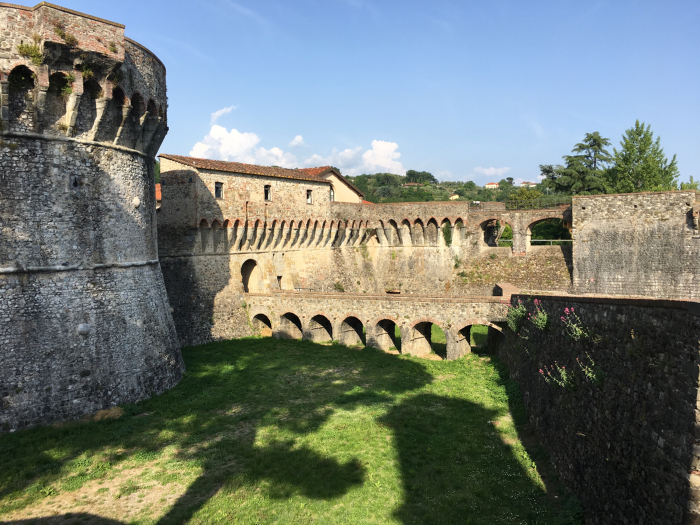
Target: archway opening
<point>431,233</point>
<point>418,232</point>
<point>386,336</point>
<point>290,326</point>
<point>262,325</point>
<point>320,329</point>
<point>151,108</point>
<point>406,238</point>
<point>426,338</point>
<point>138,107</point>
<point>549,232</point>
<point>251,276</point>
<point>480,338</point>
<point>392,233</point>
<point>21,85</point>
<point>60,89</point>
<point>352,332</point>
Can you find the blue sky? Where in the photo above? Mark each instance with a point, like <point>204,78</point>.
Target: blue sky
<point>466,90</point>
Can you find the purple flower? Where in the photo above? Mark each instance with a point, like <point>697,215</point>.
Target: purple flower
<point>566,311</point>
<point>572,310</point>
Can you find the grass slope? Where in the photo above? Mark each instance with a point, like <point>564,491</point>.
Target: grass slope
<point>275,431</point>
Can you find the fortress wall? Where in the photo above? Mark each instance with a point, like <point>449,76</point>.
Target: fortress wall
<point>84,316</point>
<point>624,446</point>
<point>642,244</point>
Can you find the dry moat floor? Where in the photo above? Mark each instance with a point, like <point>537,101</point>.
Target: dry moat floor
<point>274,431</point>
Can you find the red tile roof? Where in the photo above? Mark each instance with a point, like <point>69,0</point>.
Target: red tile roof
<point>250,169</point>
<point>158,194</point>
<point>316,171</point>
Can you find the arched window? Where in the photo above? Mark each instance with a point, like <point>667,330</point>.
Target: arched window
<point>332,194</point>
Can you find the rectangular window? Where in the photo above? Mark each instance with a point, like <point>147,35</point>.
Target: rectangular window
<point>309,198</point>
<point>268,193</point>
<point>219,190</point>
<point>332,194</point>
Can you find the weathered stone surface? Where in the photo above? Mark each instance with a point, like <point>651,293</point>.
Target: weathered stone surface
<point>84,317</point>
<point>625,446</point>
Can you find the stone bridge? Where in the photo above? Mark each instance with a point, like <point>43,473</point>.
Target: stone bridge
<point>353,319</point>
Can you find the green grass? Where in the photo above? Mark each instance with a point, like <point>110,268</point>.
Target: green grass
<point>278,431</point>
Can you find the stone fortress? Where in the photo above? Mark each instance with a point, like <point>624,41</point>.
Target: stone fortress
<point>98,291</point>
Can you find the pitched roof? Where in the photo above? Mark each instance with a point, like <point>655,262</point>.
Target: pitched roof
<point>317,171</point>
<point>250,169</point>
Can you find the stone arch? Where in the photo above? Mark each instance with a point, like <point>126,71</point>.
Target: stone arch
<point>216,235</point>
<point>151,108</point>
<point>382,334</point>
<point>138,106</point>
<point>489,231</point>
<point>445,235</point>
<point>204,235</point>
<point>319,330</point>
<point>262,325</point>
<point>418,232</point>
<point>420,339</point>
<point>351,331</point>
<point>392,233</point>
<point>251,277</point>
<point>460,337</point>
<point>406,237</point>
<point>538,220</point>
<point>458,232</point>
<point>87,109</point>
<point>290,326</point>
<point>235,234</point>
<point>431,233</point>
<point>21,99</point>
<point>60,89</point>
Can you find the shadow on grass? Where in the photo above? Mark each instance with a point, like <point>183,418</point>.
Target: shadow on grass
<point>234,389</point>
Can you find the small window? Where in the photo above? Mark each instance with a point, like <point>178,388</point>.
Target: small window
<point>219,190</point>
<point>332,194</point>
<point>309,198</point>
<point>268,192</point>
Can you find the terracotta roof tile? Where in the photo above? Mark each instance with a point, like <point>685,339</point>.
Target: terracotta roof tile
<point>250,169</point>
<point>158,194</point>
<point>316,171</point>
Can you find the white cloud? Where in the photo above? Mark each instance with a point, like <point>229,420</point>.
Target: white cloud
<point>491,172</point>
<point>383,157</point>
<point>220,113</point>
<point>220,144</point>
<point>236,146</point>
<point>297,141</point>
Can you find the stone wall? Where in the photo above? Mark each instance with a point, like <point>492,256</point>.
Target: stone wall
<point>642,244</point>
<point>84,317</point>
<point>623,437</point>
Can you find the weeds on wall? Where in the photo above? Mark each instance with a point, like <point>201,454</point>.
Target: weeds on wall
<point>539,317</point>
<point>112,46</point>
<point>86,71</point>
<point>447,234</point>
<point>32,52</point>
<point>593,374</point>
<point>66,37</point>
<point>573,325</point>
<point>338,287</point>
<point>557,375</point>
<point>458,262</point>
<point>516,315</point>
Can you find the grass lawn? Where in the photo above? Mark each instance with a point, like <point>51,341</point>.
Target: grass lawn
<point>277,431</point>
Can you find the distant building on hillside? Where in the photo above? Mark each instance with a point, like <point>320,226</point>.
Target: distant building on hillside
<point>454,197</point>
<point>526,184</point>
<point>491,185</point>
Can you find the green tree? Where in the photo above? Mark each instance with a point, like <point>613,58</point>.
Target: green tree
<point>691,185</point>
<point>157,172</point>
<point>640,164</point>
<point>420,177</point>
<point>583,171</point>
<point>525,194</point>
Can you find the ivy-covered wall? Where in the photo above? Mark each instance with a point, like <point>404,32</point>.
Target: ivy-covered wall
<point>611,387</point>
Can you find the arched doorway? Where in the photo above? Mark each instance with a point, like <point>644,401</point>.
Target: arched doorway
<point>548,232</point>
<point>251,277</point>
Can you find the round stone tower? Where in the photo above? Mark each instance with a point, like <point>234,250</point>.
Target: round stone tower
<point>84,318</point>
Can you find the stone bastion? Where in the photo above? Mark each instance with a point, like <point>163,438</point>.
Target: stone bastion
<point>85,320</point>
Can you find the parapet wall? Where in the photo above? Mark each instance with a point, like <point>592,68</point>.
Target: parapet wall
<point>622,433</point>
<point>643,244</point>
